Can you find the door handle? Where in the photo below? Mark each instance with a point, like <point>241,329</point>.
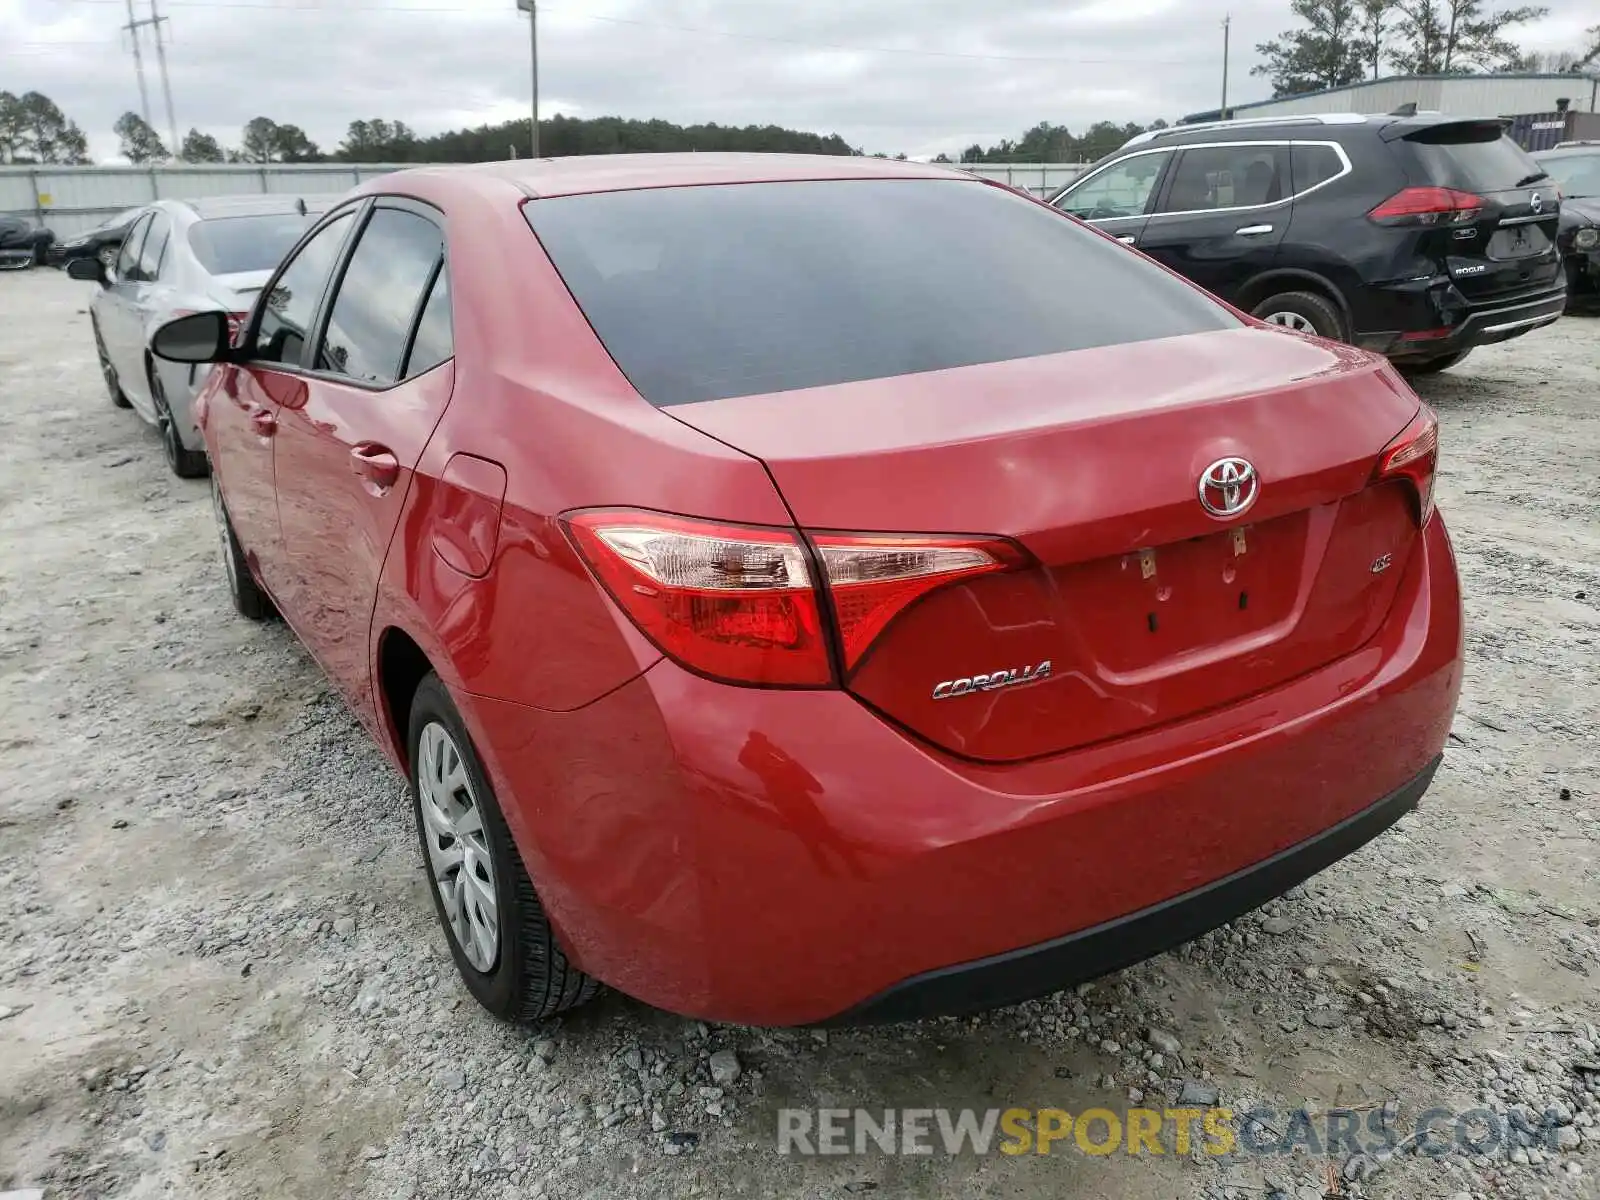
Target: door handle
<point>1128,240</point>
<point>1254,231</point>
<point>378,467</point>
<point>263,422</point>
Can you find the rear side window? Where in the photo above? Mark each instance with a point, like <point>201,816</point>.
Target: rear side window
<point>435,338</point>
<point>1314,165</point>
<point>378,298</point>
<point>128,256</point>
<point>1227,177</point>
<point>1475,157</point>
<point>155,245</point>
<point>228,245</point>
<point>702,293</point>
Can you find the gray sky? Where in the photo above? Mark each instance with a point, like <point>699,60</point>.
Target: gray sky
<point>918,76</point>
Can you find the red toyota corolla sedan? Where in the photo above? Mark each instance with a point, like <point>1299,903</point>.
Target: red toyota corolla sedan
<point>809,589</point>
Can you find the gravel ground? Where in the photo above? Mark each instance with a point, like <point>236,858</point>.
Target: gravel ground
<point>220,972</point>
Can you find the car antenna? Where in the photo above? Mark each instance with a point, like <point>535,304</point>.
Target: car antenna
<point>300,205</point>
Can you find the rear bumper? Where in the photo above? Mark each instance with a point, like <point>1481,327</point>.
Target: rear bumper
<point>785,857</point>
<point>1469,325</point>
<point>1023,974</point>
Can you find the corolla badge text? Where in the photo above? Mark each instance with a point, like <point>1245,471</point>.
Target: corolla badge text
<point>992,682</point>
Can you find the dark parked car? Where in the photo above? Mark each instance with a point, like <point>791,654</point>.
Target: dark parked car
<point>22,244</point>
<point>1418,237</point>
<point>1576,168</point>
<point>802,587</point>
<point>102,242</point>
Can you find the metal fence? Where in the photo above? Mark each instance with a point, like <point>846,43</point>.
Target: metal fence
<point>71,200</point>
<point>1039,178</point>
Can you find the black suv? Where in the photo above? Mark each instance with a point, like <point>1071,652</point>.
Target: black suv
<point>1416,236</point>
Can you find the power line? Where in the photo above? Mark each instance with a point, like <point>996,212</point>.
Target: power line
<point>435,10</point>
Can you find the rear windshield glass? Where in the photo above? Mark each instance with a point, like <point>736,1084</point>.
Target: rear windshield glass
<point>702,293</point>
<point>1476,158</point>
<point>229,244</point>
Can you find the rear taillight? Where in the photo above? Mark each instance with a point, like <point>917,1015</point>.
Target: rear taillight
<point>1413,456</point>
<point>236,326</point>
<point>1428,206</point>
<point>741,603</point>
<point>873,579</point>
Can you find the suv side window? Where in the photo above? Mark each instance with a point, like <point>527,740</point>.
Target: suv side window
<point>128,256</point>
<point>155,245</point>
<point>1121,190</point>
<point>1313,165</point>
<point>377,301</point>
<point>292,301</point>
<point>1216,177</point>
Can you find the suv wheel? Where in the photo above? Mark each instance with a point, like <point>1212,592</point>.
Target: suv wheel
<point>498,932</point>
<point>1306,312</point>
<point>1432,366</point>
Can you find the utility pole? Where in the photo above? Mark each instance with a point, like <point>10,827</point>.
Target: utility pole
<point>531,7</point>
<point>1227,23</point>
<point>138,63</point>
<point>166,84</point>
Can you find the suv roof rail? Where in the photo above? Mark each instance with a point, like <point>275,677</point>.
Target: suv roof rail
<point>1150,135</point>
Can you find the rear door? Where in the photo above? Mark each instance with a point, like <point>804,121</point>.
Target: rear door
<point>1117,197</point>
<point>344,458</point>
<point>1222,214</point>
<point>146,300</point>
<point>115,314</point>
<point>247,404</point>
<point>1502,239</point>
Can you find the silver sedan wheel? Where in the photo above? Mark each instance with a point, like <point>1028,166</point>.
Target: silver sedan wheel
<point>458,850</point>
<point>1291,320</point>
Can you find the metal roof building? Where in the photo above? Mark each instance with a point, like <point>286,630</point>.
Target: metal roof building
<point>1466,95</point>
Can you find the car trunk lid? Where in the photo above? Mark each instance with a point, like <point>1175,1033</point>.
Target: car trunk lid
<point>1146,607</point>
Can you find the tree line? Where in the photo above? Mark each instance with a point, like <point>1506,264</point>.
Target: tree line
<point>34,130</point>
<point>1340,42</point>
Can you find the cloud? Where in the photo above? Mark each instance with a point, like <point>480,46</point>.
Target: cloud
<point>918,76</point>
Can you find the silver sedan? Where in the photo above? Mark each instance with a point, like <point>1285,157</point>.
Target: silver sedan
<point>183,256</point>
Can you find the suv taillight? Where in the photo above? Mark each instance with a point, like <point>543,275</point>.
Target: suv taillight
<point>1413,456</point>
<point>739,603</point>
<point>1428,206</point>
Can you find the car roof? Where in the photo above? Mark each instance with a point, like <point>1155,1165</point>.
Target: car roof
<point>208,208</point>
<point>581,174</point>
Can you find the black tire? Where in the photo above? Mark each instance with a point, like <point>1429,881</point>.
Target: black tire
<point>1298,309</point>
<point>248,597</point>
<point>529,978</point>
<point>1433,366</point>
<point>185,463</point>
<point>107,371</point>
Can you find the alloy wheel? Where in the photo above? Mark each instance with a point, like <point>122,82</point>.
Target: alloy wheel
<point>1291,320</point>
<point>458,849</point>
<point>108,256</point>
<point>164,422</point>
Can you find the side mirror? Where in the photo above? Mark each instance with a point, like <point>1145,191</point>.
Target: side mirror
<point>200,337</point>
<point>90,270</point>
